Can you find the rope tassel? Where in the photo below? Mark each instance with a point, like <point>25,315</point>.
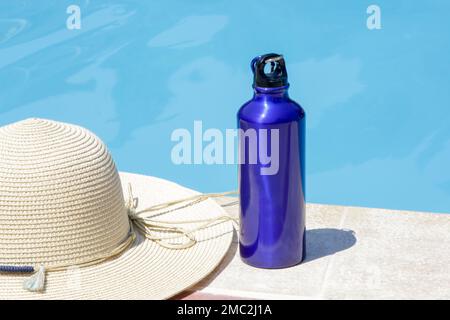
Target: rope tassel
<point>36,282</point>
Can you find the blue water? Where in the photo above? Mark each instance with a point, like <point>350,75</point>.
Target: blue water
<point>377,101</point>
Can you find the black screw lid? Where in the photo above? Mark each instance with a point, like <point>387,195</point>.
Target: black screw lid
<point>272,77</point>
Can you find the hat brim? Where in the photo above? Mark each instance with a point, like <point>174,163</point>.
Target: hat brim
<point>146,270</point>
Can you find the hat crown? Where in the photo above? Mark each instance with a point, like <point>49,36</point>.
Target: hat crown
<point>61,200</point>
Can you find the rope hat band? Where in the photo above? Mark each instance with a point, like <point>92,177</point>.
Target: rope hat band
<point>61,203</point>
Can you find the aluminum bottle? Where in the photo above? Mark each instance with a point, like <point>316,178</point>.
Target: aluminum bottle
<point>272,187</point>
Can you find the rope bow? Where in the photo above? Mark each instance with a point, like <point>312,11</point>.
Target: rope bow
<point>164,232</point>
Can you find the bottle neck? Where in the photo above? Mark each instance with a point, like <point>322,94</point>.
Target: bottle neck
<point>276,92</point>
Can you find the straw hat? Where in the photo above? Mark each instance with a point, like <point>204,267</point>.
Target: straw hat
<point>68,231</point>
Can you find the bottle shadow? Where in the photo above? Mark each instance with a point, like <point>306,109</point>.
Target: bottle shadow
<point>319,244</point>
<point>327,241</point>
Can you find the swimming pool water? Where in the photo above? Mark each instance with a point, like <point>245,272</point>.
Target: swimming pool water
<point>377,101</point>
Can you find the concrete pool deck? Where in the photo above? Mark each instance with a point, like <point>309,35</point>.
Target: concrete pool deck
<point>352,253</point>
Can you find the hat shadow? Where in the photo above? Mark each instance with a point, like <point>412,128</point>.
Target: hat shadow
<point>229,256</point>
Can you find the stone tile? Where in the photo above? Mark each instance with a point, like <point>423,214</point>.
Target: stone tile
<point>397,255</point>
<point>352,253</point>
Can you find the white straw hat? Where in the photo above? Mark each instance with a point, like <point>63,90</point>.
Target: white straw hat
<point>67,231</point>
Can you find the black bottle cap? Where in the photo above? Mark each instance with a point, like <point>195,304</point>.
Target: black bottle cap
<point>269,71</point>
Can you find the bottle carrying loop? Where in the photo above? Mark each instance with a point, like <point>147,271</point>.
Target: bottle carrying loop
<point>275,77</point>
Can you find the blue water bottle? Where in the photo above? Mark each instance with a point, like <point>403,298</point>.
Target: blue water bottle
<point>271,170</point>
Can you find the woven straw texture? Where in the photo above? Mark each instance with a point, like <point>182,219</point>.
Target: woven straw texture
<point>61,202</point>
